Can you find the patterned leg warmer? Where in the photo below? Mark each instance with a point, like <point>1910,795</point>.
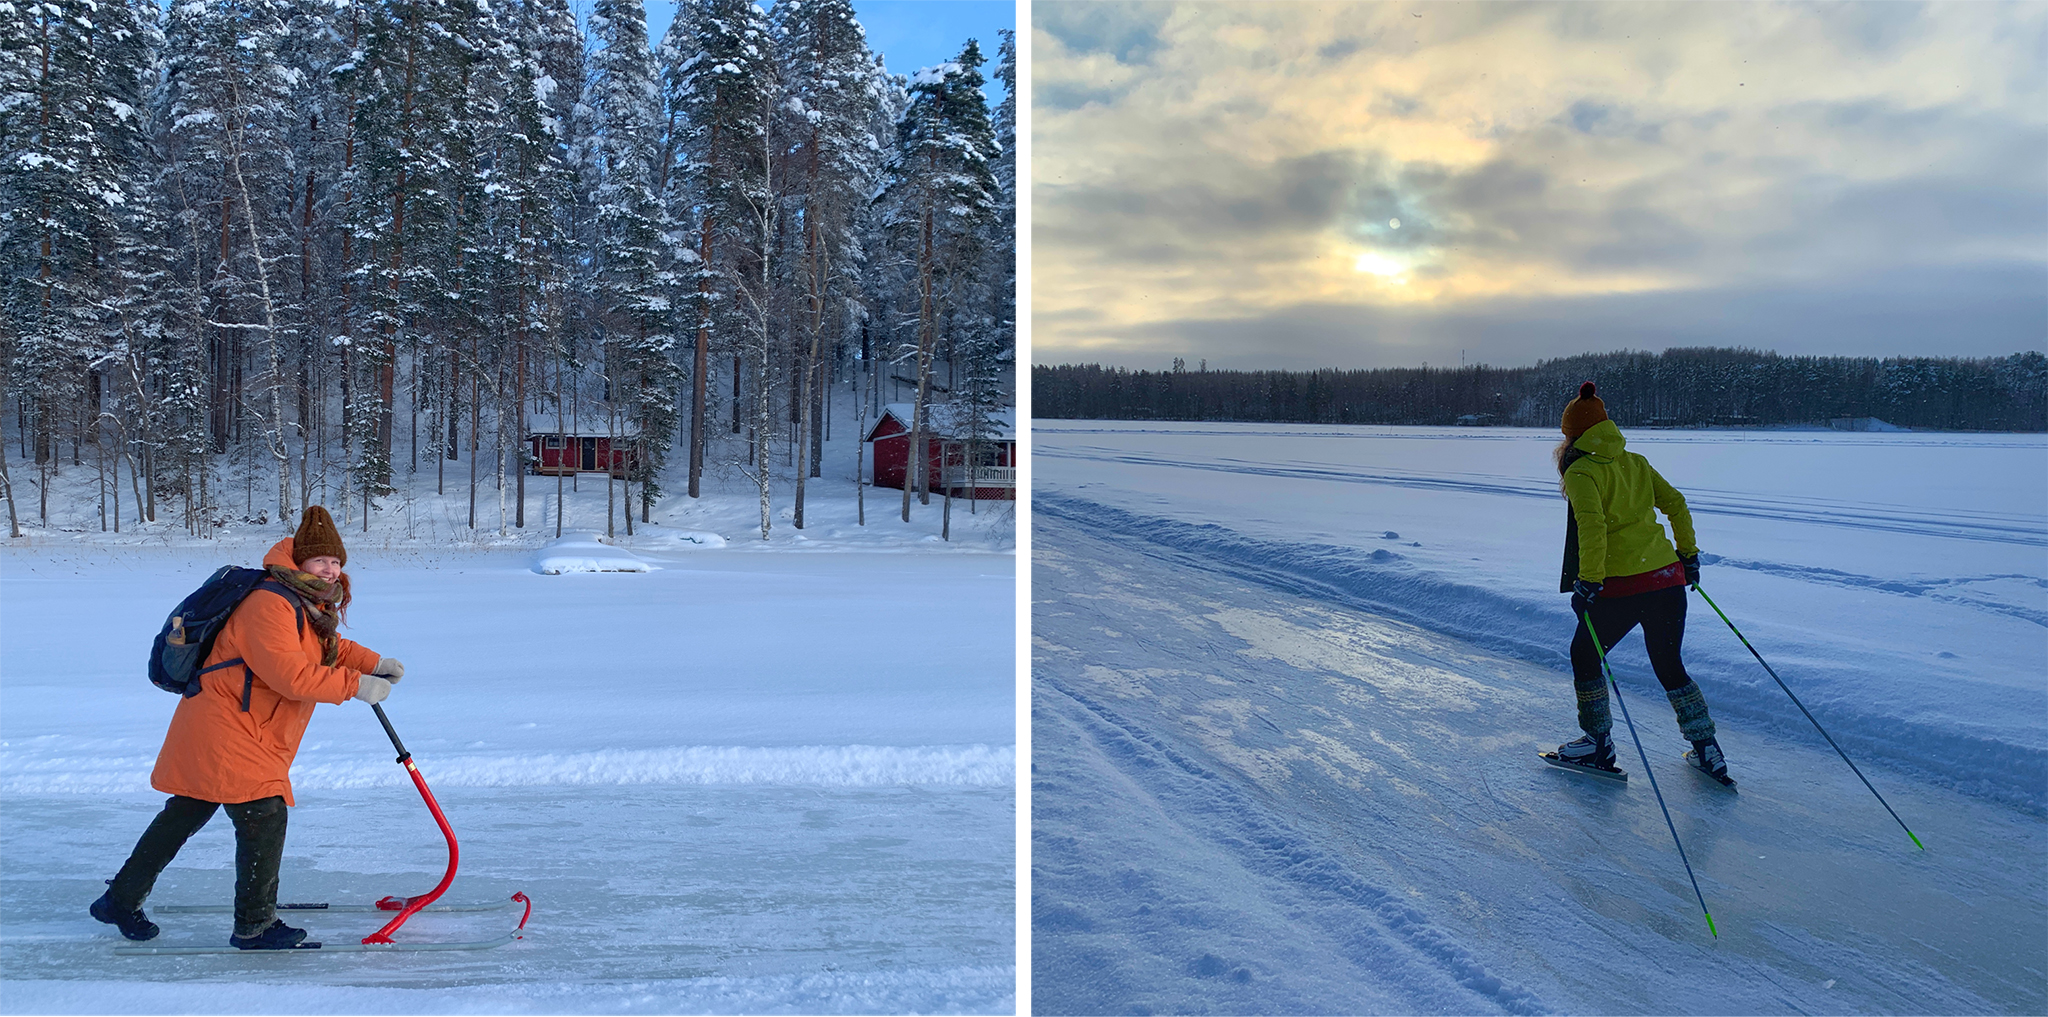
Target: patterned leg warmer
<point>1594,718</point>
<point>1691,708</point>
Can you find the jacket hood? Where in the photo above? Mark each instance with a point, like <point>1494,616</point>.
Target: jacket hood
<point>281,554</point>
<point>1603,440</point>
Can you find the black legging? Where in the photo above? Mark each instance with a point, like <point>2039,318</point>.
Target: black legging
<point>1661,613</point>
<point>259,852</point>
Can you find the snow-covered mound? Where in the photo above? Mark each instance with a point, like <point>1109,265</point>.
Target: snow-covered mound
<point>585,552</point>
<point>683,540</point>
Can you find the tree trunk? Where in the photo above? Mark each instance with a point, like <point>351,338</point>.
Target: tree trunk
<point>806,443</point>
<point>7,485</point>
<point>278,447</point>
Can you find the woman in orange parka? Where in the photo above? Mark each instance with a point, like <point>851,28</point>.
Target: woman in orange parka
<point>233,743</point>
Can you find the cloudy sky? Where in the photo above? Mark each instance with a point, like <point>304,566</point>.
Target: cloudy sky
<point>1388,184</point>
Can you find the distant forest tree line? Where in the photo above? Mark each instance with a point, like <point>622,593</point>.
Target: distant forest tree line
<point>262,253</point>
<point>1694,387</point>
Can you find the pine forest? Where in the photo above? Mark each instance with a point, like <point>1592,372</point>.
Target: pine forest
<point>1680,387</point>
<point>262,254</point>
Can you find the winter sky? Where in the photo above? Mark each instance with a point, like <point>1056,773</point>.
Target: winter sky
<point>910,34</point>
<point>1224,180</point>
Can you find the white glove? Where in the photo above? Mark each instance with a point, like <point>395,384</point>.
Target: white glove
<point>389,668</point>
<point>372,689</point>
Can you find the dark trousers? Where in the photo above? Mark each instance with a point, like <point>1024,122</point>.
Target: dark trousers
<point>259,852</point>
<point>1661,613</point>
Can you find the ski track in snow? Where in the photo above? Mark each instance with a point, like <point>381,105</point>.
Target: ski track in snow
<point>1361,800</point>
<point>1277,850</point>
<point>1958,523</point>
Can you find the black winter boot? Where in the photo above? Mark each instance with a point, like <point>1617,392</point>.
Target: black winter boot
<point>278,937</point>
<point>1706,757</point>
<point>133,924</point>
<point>1589,750</point>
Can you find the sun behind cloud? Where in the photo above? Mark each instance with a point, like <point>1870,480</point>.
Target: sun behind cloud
<point>1218,162</point>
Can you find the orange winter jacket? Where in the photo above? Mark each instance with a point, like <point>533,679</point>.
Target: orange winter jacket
<point>217,753</point>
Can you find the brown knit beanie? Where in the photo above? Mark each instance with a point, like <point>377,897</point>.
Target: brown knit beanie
<point>1582,413</point>
<point>317,536</point>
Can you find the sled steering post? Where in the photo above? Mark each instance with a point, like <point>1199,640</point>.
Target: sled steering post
<point>409,906</point>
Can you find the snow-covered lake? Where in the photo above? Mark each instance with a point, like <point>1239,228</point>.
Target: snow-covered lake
<point>1289,680</point>
<point>737,782</point>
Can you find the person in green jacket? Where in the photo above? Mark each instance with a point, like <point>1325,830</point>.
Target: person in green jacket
<point>1622,571</point>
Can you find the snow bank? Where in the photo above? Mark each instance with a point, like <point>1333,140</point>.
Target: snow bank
<point>34,770</point>
<point>585,552</point>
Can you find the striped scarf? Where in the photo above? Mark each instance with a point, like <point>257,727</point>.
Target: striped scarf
<point>318,595</point>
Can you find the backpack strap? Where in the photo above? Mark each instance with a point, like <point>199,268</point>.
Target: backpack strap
<point>298,615</point>
<point>298,606</point>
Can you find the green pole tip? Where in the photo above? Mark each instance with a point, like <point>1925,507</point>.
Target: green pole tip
<point>1710,925</point>
<point>1916,841</point>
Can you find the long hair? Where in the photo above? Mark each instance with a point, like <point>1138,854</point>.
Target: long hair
<point>342,596</point>
<point>1564,455</point>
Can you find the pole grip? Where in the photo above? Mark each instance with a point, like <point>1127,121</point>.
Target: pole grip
<point>392,732</point>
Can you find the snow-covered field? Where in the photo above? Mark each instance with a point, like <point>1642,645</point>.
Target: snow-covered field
<point>1288,683</point>
<point>758,777</point>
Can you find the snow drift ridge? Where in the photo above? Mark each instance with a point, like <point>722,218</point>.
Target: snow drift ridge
<point>823,765</point>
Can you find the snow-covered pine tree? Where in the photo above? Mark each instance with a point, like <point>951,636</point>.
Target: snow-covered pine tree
<point>886,275</point>
<point>987,348</point>
<point>529,185</point>
<point>315,46</point>
<point>139,280</point>
<point>939,193</point>
<point>60,190</point>
<point>829,162</point>
<point>408,91</point>
<point>720,90</point>
<point>634,285</point>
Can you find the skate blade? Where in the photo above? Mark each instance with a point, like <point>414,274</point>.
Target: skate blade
<point>1692,764</point>
<point>1616,775</point>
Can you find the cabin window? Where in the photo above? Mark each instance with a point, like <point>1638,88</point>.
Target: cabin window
<point>553,441</point>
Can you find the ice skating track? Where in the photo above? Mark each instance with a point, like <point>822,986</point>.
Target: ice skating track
<point>1250,799</point>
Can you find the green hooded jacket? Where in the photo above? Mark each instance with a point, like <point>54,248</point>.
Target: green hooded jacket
<point>1612,492</point>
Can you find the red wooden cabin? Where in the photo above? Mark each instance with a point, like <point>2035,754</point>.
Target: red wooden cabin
<point>578,449</point>
<point>946,450</point>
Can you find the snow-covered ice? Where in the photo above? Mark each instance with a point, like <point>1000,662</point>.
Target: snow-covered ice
<point>1289,682</point>
<point>762,776</point>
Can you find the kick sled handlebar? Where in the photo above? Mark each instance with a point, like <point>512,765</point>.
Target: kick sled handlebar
<point>409,906</point>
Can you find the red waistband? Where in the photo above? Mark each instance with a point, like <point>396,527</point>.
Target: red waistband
<point>1644,582</point>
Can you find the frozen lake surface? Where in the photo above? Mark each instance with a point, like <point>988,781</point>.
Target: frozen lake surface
<point>729,784</point>
<point>1288,685</point>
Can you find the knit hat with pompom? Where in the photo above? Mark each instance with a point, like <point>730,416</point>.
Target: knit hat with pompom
<point>317,536</point>
<point>1582,413</point>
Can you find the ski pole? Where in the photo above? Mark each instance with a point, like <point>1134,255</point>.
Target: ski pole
<point>1809,716</point>
<point>409,906</point>
<point>1586,618</point>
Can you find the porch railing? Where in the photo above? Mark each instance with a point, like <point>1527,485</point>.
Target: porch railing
<point>985,476</point>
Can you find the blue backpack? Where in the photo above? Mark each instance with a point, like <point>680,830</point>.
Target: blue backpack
<point>189,633</point>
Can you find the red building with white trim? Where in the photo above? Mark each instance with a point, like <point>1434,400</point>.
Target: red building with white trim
<point>947,451</point>
<point>580,447</point>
